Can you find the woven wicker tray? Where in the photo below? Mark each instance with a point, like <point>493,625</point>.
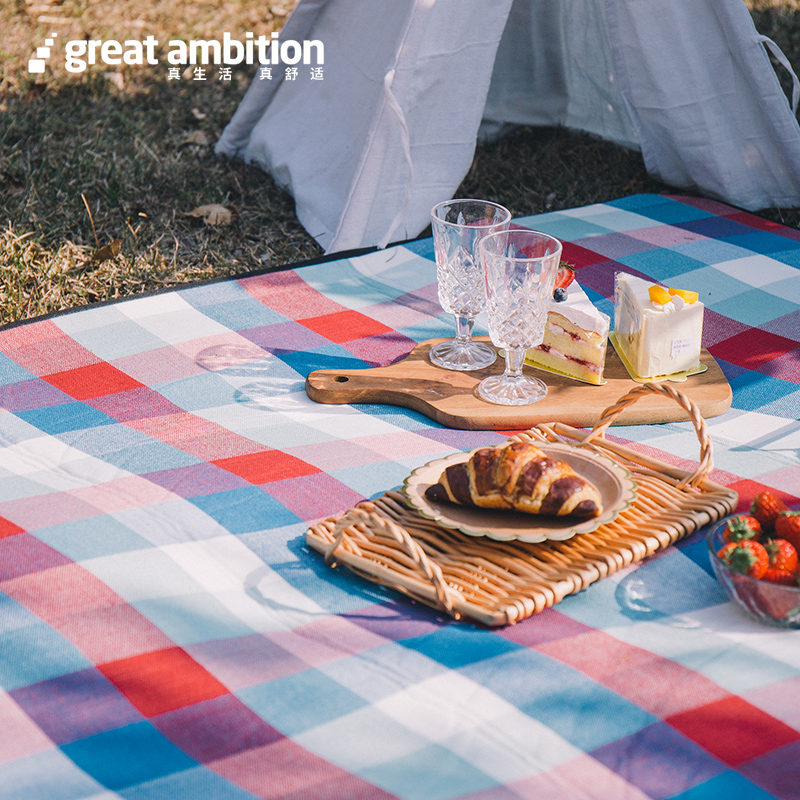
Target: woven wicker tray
<point>499,583</point>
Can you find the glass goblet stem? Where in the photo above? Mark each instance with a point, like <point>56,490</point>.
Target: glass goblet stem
<point>515,358</point>
<point>463,328</point>
<point>512,388</point>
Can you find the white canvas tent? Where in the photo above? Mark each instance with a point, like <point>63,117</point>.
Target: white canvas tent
<point>409,85</point>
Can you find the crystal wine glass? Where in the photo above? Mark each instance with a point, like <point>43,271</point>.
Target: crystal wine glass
<point>458,225</point>
<point>521,267</point>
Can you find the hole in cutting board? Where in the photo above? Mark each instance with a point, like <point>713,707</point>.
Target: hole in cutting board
<point>341,379</point>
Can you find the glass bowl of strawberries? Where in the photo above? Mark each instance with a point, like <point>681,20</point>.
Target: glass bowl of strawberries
<point>755,557</point>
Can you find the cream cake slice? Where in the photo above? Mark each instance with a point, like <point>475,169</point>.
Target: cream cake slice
<point>575,338</point>
<point>658,331</point>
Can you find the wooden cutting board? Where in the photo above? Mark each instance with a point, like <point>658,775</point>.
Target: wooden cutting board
<point>449,397</point>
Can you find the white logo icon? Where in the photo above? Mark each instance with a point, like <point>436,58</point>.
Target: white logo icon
<point>36,65</point>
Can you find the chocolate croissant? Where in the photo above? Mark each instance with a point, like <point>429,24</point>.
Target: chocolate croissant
<point>517,475</point>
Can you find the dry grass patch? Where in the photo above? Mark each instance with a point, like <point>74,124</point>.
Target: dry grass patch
<point>125,157</point>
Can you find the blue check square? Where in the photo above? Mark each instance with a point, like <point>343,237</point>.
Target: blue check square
<point>245,510</point>
<point>66,417</point>
<point>127,756</point>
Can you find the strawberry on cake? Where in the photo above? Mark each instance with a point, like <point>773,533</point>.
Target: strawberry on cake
<point>575,335</point>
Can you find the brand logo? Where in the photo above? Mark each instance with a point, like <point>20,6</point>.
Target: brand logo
<point>267,51</point>
<point>37,64</point>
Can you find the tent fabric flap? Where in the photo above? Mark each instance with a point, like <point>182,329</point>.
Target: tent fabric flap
<point>706,103</point>
<point>338,144</point>
<point>391,129</point>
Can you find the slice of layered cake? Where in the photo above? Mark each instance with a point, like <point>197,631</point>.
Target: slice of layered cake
<point>575,336</point>
<point>657,331</point>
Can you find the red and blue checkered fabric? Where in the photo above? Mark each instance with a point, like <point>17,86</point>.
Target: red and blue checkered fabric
<point>165,633</point>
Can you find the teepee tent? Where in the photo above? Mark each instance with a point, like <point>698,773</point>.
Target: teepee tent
<point>408,86</point>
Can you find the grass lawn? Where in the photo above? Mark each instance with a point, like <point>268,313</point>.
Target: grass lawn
<point>100,171</point>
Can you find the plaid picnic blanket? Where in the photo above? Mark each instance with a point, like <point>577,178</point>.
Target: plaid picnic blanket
<point>165,633</point>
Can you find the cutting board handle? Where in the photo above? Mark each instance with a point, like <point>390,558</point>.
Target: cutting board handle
<point>706,450</point>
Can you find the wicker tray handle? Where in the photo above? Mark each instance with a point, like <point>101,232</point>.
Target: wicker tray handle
<point>613,411</point>
<point>366,513</point>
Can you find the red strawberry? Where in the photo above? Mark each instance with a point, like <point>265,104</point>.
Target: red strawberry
<point>748,557</point>
<point>787,526</point>
<point>766,508</point>
<point>781,576</point>
<point>565,276</point>
<point>742,527</point>
<point>782,555</point>
<point>782,563</point>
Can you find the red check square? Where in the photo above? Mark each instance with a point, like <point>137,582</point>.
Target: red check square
<point>93,380</point>
<point>162,680</point>
<point>266,466</point>
<point>733,730</point>
<point>752,348</point>
<point>748,489</point>
<point>8,528</point>
<point>344,326</point>
<point>579,256</point>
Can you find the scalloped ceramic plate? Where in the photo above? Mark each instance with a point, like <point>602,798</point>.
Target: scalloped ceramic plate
<point>615,484</point>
